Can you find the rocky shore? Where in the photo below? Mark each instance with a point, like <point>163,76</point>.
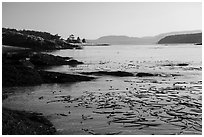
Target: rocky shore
<point>23,68</point>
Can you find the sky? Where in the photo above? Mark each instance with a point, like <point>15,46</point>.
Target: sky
<point>92,20</point>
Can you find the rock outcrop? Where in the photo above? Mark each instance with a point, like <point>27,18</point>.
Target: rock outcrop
<point>25,69</point>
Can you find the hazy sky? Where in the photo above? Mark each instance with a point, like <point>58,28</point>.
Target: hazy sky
<point>93,20</point>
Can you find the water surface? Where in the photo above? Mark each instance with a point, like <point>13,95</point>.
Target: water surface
<point>148,105</point>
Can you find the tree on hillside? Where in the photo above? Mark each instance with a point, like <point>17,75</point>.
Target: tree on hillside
<point>78,40</point>
<point>57,37</point>
<point>71,37</point>
<point>83,40</point>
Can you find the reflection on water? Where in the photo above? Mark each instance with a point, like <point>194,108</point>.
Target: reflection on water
<point>129,57</point>
<point>132,52</point>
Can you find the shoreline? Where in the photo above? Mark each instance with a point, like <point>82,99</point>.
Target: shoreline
<point>18,71</point>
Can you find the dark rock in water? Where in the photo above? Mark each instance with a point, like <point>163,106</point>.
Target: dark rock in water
<point>126,74</point>
<point>112,73</point>
<point>25,123</point>
<point>41,97</point>
<point>73,62</point>
<point>182,64</point>
<point>198,43</point>
<point>179,64</point>
<point>142,74</point>
<point>174,75</point>
<point>66,58</point>
<point>56,77</point>
<point>168,65</point>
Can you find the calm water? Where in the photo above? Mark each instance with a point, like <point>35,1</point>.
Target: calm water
<point>117,57</point>
<point>130,58</point>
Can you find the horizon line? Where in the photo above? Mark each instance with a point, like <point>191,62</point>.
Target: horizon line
<point>115,34</point>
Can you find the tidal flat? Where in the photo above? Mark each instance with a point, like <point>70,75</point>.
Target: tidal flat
<point>160,95</point>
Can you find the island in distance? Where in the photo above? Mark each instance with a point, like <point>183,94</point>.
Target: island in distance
<point>36,40</point>
<point>194,36</point>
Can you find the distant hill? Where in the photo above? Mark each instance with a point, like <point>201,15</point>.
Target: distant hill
<point>182,38</point>
<point>119,40</point>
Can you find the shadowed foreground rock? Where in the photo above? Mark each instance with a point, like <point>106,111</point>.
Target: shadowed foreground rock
<point>16,75</point>
<point>46,60</point>
<point>43,60</point>
<point>22,69</point>
<point>56,77</point>
<point>25,123</point>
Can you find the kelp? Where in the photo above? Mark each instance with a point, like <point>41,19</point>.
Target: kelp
<point>142,107</point>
